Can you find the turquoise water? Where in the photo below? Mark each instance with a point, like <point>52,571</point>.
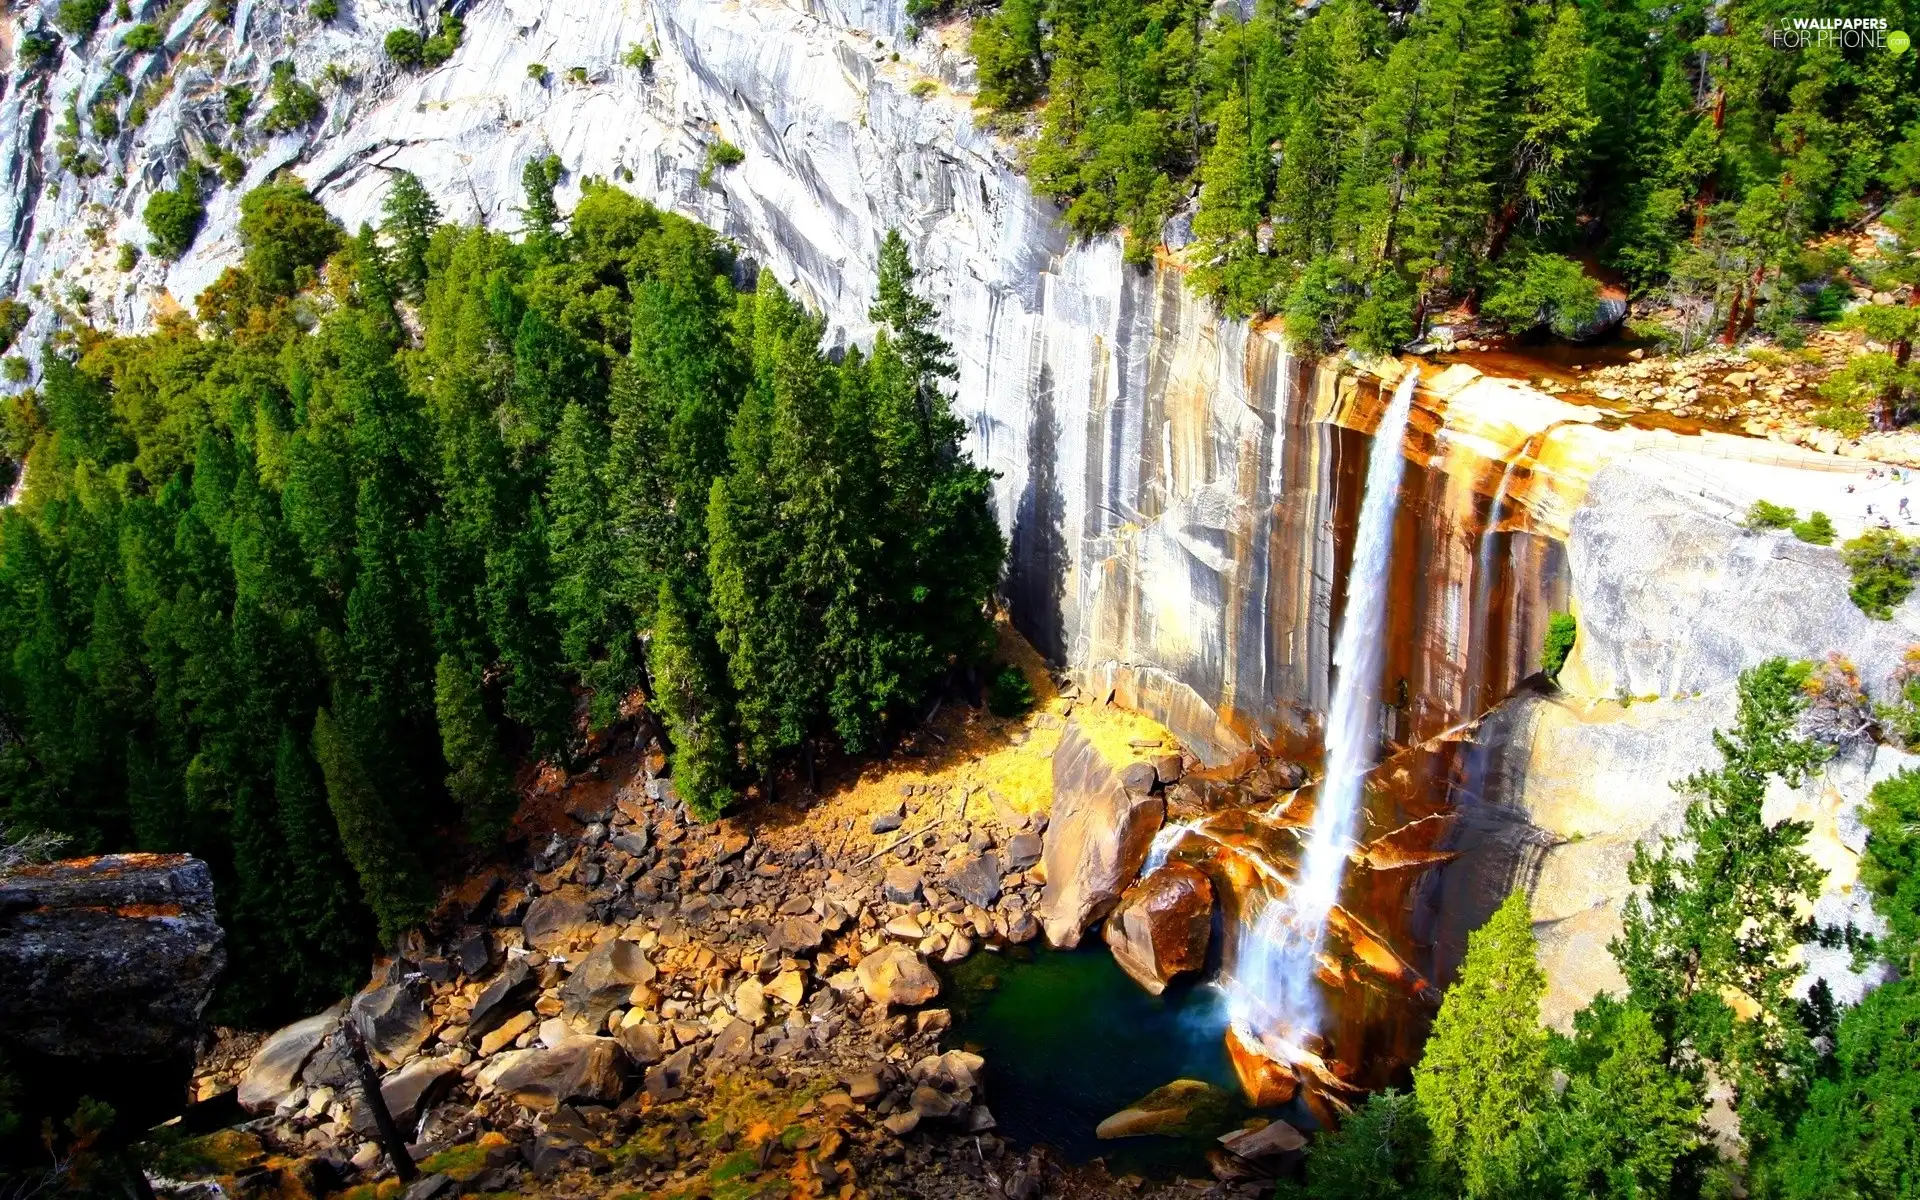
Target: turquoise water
<point>1070,1040</point>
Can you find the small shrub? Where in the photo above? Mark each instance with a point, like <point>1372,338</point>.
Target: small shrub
<point>173,218</point>
<point>284,229</point>
<point>538,73</point>
<point>1884,565</point>
<point>1558,643</point>
<point>923,88</point>
<point>324,10</point>
<point>142,37</point>
<point>1817,529</point>
<point>403,47</point>
<point>16,369</point>
<point>440,47</point>
<point>1545,289</point>
<point>1767,515</point>
<point>105,121</point>
<point>38,51</point>
<point>637,57</point>
<point>232,167</point>
<point>577,75</point>
<point>239,98</point>
<point>1009,695</point>
<point>122,11</point>
<point>1837,711</point>
<point>79,18</point>
<point>1900,719</point>
<point>129,256</point>
<point>13,318</point>
<point>720,155</point>
<point>295,105</point>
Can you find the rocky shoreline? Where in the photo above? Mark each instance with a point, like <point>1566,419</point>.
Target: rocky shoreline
<point>646,1005</point>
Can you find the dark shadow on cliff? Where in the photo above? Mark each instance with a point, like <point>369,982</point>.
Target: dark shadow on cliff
<point>1036,584</point>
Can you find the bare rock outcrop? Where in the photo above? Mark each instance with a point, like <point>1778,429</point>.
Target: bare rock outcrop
<point>106,965</point>
<point>1103,820</point>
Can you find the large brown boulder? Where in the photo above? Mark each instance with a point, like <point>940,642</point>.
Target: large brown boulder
<point>589,1069</point>
<point>1103,820</point>
<point>105,967</point>
<point>895,974</point>
<point>602,982</point>
<point>1163,925</point>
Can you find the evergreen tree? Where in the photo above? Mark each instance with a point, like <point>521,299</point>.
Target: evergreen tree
<point>1628,1125</point>
<point>391,879</point>
<point>1721,912</point>
<point>410,217</point>
<point>476,779</point>
<point>1482,1082</point>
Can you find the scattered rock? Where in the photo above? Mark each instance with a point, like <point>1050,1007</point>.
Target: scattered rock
<point>394,1022</point>
<point>890,820</point>
<point>1023,851</point>
<point>796,935</point>
<point>578,1069</point>
<point>553,919</point>
<point>978,880</point>
<point>1267,1083</point>
<point>895,974</point>
<point>1275,1137</point>
<point>509,991</point>
<point>603,981</point>
<point>274,1071</point>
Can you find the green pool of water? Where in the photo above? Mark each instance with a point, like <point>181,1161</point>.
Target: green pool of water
<point>1070,1040</point>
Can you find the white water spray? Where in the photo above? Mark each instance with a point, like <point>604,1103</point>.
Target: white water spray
<point>1273,968</point>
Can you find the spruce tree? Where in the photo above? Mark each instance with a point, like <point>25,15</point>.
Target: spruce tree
<point>1482,1081</point>
<point>476,777</point>
<point>391,879</point>
<point>411,216</point>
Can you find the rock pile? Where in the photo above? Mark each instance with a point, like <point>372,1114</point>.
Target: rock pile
<point>647,980</point>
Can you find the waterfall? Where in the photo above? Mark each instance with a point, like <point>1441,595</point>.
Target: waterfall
<point>1272,977</point>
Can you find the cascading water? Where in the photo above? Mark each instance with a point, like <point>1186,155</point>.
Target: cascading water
<point>1271,980</point>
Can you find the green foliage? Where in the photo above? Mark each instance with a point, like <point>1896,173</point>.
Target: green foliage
<point>237,99</point>
<point>14,316</point>
<point>295,105</point>
<point>1482,1083</point>
<point>79,18</point>
<point>129,256</point>
<point>38,51</point>
<point>1451,151</point>
<point>294,589</point>
<point>1767,515</point>
<point>173,218</point>
<point>1627,1124</point>
<point>1859,1135</point>
<point>1721,910</point>
<point>1547,290</point>
<point>637,57</point>
<point>142,37</point>
<point>15,369</point>
<point>538,73</point>
<point>1558,643</point>
<point>720,155</point>
<point>1009,695</point>
<point>403,47</point>
<point>1817,529</point>
<point>445,40</point>
<point>324,11</point>
<point>1380,1152</point>
<point>286,235</point>
<point>1890,868</point>
<point>1883,564</point>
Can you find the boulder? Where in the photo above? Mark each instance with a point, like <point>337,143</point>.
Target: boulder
<point>895,974</point>
<point>1266,1081</point>
<point>1023,851</point>
<point>796,935</point>
<point>1181,1108</point>
<point>1163,925</point>
<point>554,918</point>
<point>978,880</point>
<point>1098,833</point>
<point>902,885</point>
<point>588,1069</point>
<point>408,1093</point>
<point>507,994</point>
<point>274,1071</point>
<point>394,1020</point>
<point>1275,1137</point>
<point>603,981</point>
<point>105,967</point>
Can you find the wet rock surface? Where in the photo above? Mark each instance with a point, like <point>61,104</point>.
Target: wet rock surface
<point>1163,926</point>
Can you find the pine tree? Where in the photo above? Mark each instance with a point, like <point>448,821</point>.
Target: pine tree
<point>1628,1125</point>
<point>596,630</point>
<point>1232,199</point>
<point>1482,1081</point>
<point>391,879</point>
<point>688,695</point>
<point>411,216</point>
<point>476,777</point>
<point>1721,912</point>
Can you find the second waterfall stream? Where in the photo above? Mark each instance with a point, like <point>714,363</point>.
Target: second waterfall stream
<point>1270,983</point>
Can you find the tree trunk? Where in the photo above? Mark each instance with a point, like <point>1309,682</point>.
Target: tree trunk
<point>390,1139</point>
